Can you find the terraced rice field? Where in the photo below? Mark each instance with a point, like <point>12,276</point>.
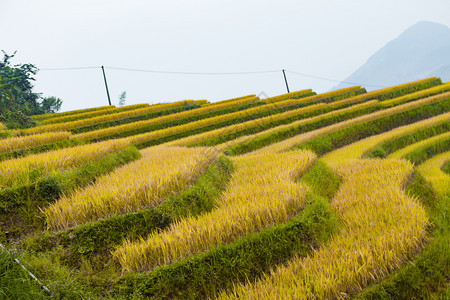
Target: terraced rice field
<point>299,196</point>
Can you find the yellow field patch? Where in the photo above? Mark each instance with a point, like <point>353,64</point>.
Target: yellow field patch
<point>381,226</point>
<point>262,192</point>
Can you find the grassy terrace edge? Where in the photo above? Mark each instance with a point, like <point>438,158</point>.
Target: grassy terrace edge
<point>346,136</point>
<point>92,240</point>
<point>19,205</point>
<point>388,147</point>
<point>209,273</point>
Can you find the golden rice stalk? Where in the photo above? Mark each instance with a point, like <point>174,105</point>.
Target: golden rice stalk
<point>431,170</point>
<point>210,121</point>
<point>286,96</point>
<point>262,192</point>
<point>99,119</point>
<point>143,183</point>
<point>417,95</point>
<point>24,170</point>
<point>301,138</point>
<point>381,227</point>
<point>229,100</point>
<point>17,143</point>
<point>297,123</point>
<point>91,114</point>
<point>357,149</point>
<point>190,140</point>
<point>410,148</point>
<point>72,112</point>
<point>132,126</point>
<point>377,93</point>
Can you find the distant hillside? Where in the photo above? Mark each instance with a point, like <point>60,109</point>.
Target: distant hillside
<point>423,50</point>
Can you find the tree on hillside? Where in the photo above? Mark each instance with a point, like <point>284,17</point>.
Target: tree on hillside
<point>122,98</point>
<point>17,99</point>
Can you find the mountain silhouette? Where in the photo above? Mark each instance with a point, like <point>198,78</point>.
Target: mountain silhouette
<point>423,50</point>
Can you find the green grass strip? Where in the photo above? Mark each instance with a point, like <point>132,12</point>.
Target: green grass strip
<point>206,274</point>
<point>261,127</point>
<point>96,239</point>
<point>421,154</point>
<point>426,276</point>
<point>269,110</point>
<point>39,149</point>
<point>346,136</point>
<point>72,112</point>
<point>395,93</point>
<point>51,187</point>
<point>19,207</point>
<point>88,115</point>
<point>182,121</point>
<point>282,134</point>
<point>132,119</point>
<point>388,147</point>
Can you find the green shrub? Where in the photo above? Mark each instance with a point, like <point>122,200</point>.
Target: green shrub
<point>378,151</point>
<point>446,168</point>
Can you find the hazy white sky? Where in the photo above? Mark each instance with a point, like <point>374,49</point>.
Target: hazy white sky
<point>325,38</point>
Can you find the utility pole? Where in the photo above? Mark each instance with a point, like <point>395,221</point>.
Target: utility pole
<point>106,85</point>
<point>285,81</point>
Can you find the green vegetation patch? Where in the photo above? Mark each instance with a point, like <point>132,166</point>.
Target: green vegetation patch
<point>446,167</point>
<point>261,127</point>
<point>421,154</point>
<point>393,145</point>
<point>16,283</point>
<point>282,134</point>
<point>43,148</point>
<point>322,180</point>
<point>410,89</point>
<point>19,206</point>
<point>136,118</point>
<point>180,121</point>
<point>346,136</point>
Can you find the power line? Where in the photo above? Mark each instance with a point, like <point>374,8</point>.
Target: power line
<point>191,73</point>
<point>210,73</point>
<point>332,80</point>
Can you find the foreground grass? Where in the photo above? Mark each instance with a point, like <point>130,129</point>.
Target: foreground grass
<point>16,283</point>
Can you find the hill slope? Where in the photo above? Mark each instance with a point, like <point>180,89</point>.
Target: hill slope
<point>420,51</point>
